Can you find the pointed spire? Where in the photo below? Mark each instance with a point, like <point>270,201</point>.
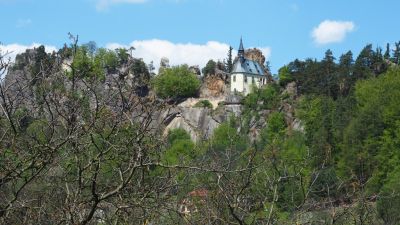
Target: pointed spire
<point>241,45</point>
<point>241,51</point>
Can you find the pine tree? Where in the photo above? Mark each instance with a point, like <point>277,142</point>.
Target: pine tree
<point>363,65</point>
<point>329,79</point>
<point>229,61</point>
<point>396,53</point>
<point>387,52</point>
<point>345,72</point>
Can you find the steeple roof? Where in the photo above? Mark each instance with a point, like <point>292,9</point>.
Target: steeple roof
<point>241,45</point>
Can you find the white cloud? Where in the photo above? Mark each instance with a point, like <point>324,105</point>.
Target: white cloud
<point>178,53</point>
<point>330,31</point>
<point>104,4</point>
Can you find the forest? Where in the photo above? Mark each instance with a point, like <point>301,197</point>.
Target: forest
<point>81,143</point>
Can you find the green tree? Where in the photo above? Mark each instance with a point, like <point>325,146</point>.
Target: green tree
<point>387,52</point>
<point>176,82</point>
<point>229,61</point>
<point>226,138</point>
<point>345,71</point>
<point>388,203</point>
<point>396,53</point>
<point>285,76</point>
<point>370,144</point>
<point>209,69</point>
<point>180,148</point>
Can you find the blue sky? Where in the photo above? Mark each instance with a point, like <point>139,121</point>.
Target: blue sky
<point>193,31</point>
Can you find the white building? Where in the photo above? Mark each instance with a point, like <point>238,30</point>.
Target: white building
<point>246,74</point>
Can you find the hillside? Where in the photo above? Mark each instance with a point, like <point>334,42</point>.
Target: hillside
<point>91,136</point>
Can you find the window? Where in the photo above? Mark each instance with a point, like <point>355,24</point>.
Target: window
<point>252,80</point>
<point>245,79</point>
<point>234,78</point>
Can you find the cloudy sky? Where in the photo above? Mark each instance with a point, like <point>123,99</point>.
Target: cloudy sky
<point>193,31</point>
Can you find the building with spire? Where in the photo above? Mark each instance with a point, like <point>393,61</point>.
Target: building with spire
<point>246,73</point>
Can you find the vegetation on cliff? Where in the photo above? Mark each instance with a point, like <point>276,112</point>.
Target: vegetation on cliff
<point>81,143</point>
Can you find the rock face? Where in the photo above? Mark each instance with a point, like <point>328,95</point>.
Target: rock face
<point>291,89</point>
<point>255,55</point>
<point>196,121</point>
<point>215,85</point>
<point>195,70</point>
<point>200,123</point>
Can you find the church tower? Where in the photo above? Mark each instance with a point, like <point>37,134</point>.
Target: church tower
<point>241,51</point>
<point>246,74</point>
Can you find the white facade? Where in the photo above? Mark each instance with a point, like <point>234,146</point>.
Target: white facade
<point>244,82</point>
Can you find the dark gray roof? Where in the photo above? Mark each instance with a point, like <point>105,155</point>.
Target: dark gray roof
<point>248,66</point>
<point>241,45</point>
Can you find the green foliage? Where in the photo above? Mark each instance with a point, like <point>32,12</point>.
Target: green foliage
<point>388,203</point>
<point>181,148</point>
<point>123,55</point>
<point>203,104</point>
<point>371,139</point>
<point>229,61</point>
<point>176,82</point>
<point>275,129</point>
<point>107,59</point>
<point>285,76</point>
<point>85,66</point>
<point>226,137</point>
<point>326,77</point>
<point>39,131</point>
<point>209,68</point>
<point>264,98</point>
<point>177,134</point>
<point>317,113</point>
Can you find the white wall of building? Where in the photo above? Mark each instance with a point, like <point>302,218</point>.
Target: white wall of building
<point>238,83</point>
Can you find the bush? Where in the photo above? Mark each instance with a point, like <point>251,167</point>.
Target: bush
<point>86,66</point>
<point>268,96</point>
<point>226,137</point>
<point>285,76</point>
<point>388,203</point>
<point>177,134</point>
<point>203,104</point>
<point>180,147</point>
<point>209,68</point>
<point>176,82</point>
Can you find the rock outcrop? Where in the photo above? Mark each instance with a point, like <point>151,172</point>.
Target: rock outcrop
<point>200,123</point>
<point>215,85</point>
<point>255,55</point>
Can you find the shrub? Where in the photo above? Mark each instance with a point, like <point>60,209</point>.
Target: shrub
<point>176,82</point>
<point>203,104</point>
